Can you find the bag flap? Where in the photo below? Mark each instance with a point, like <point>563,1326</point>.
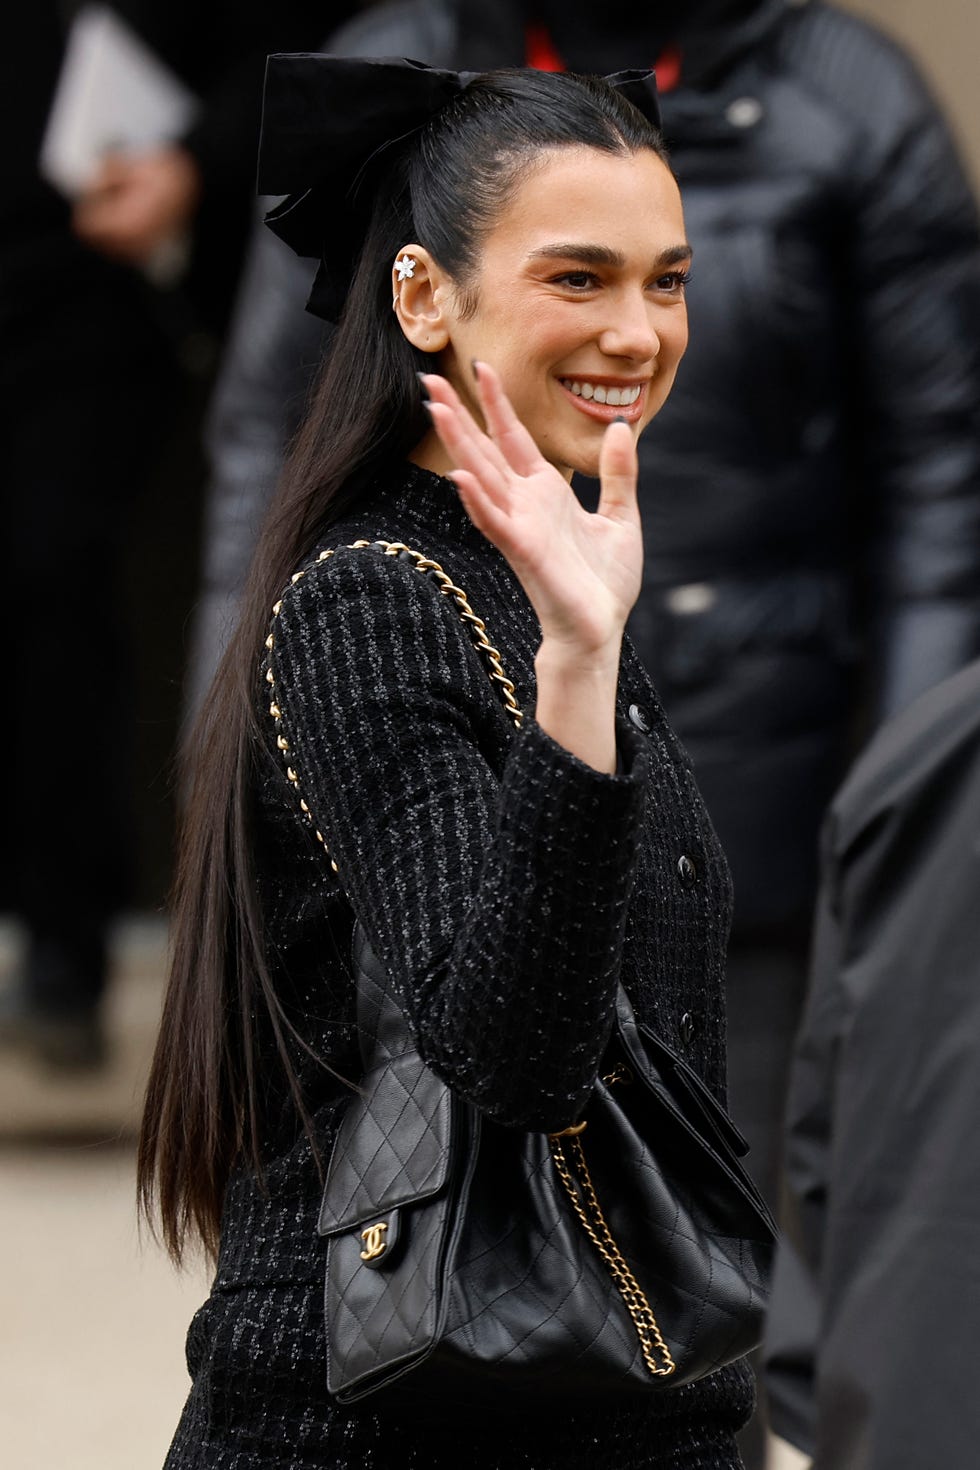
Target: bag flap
<point>654,1056</point>
<point>393,1146</point>
<point>681,1090</point>
<point>697,1092</point>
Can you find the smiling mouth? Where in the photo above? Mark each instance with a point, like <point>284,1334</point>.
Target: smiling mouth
<point>605,400</point>
<point>585,388</point>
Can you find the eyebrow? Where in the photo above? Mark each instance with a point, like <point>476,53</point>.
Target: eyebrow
<point>603,255</point>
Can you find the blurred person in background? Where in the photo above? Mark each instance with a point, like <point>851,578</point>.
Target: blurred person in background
<point>90,380</point>
<point>205,180</point>
<point>813,486</point>
<point>882,1162</point>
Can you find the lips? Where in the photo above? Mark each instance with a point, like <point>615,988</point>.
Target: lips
<point>606,399</point>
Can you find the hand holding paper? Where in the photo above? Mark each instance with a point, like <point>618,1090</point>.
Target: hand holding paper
<point>138,202</point>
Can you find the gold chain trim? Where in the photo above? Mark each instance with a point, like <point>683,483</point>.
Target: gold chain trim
<point>574,1174</point>
<point>580,1190</point>
<point>476,626</point>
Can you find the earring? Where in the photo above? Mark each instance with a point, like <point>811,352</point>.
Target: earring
<point>406,266</point>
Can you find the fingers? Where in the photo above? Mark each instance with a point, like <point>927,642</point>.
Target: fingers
<point>483,510</point>
<point>456,426</point>
<point>618,474</point>
<point>506,429</point>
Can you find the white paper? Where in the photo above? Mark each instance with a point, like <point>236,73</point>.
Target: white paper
<point>113,94</point>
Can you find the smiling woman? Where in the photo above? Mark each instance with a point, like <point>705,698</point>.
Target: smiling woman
<point>577,329</point>
<point>512,246</point>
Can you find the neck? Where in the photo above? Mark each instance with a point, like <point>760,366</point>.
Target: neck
<point>429,454</point>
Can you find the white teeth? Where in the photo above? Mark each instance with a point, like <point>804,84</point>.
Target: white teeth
<point>613,397</point>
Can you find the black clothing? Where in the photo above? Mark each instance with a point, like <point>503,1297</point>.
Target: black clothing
<point>506,886</point>
<point>826,533</point>
<point>88,386</point>
<point>881,1153</point>
<point>85,378</point>
<point>86,383</point>
<point>764,991</point>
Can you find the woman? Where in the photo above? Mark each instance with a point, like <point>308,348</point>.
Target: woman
<point>524,248</point>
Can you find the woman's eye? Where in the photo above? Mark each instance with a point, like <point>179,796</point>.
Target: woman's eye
<point>673,282</point>
<point>577,280</point>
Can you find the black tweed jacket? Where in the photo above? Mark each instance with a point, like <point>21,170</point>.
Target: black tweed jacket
<point>506,885</point>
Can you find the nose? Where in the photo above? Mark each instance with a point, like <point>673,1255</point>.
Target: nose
<point>629,331</point>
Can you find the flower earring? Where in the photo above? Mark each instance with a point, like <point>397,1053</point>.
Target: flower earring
<point>405,266</point>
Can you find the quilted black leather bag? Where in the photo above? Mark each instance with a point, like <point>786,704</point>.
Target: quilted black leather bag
<point>487,1263</point>
<point>468,1262</point>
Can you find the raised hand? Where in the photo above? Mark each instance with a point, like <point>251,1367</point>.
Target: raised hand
<point>581,571</point>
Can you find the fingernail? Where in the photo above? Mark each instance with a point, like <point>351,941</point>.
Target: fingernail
<point>619,419</point>
<point>474,364</point>
<point>422,388</point>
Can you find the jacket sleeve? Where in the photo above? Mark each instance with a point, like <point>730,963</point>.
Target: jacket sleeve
<point>272,356</point>
<point>915,351</point>
<point>495,898</point>
<point>811,1091</point>
<point>792,1335</point>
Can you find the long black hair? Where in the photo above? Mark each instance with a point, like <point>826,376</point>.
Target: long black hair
<point>443,188</point>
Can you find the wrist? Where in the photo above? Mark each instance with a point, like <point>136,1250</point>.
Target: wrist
<point>576,699</point>
<point>572,660</point>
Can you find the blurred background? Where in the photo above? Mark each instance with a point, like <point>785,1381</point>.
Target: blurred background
<point>117,305</point>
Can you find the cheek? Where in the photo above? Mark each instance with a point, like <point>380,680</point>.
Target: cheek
<point>676,335</point>
<point>532,334</point>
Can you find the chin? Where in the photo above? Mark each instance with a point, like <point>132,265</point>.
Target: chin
<point>587,465</point>
<point>574,458</point>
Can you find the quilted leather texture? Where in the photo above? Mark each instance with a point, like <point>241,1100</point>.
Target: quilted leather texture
<point>492,1284</point>
<point>392,1147</point>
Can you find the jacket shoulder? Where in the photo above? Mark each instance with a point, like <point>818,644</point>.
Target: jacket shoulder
<point>419,29</point>
<point>345,574</point>
<point>853,67</point>
<point>907,756</point>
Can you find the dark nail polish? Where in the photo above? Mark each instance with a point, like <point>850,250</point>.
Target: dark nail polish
<point>474,364</point>
<point>619,419</point>
<point>422,388</point>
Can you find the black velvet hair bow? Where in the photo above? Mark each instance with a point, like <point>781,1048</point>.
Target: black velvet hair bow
<point>325,119</point>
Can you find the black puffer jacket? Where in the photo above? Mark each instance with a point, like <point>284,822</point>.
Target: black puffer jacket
<point>813,484</point>
<point>812,488</point>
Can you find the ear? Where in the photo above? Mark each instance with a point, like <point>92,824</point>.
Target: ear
<point>422,294</point>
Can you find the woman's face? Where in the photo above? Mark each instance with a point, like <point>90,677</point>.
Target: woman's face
<point>579,300</point>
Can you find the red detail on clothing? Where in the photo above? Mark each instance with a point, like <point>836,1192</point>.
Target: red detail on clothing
<point>540,50</point>
<point>667,69</point>
<point>540,55</point>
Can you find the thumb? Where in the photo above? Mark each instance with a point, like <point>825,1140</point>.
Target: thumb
<point>618,471</point>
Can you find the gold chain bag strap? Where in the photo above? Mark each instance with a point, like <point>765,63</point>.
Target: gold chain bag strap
<point>566,1147</point>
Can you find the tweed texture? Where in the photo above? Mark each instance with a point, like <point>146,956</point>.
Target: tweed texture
<point>506,886</point>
